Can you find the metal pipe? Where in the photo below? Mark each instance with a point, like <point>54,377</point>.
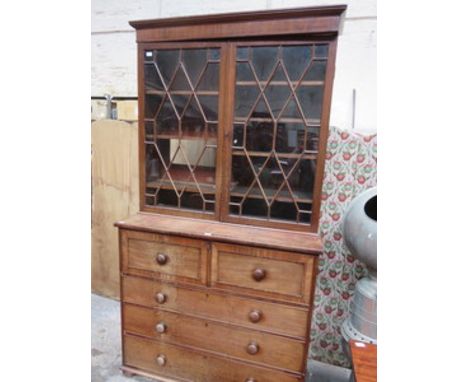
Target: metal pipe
<point>108,98</point>
<point>354,109</point>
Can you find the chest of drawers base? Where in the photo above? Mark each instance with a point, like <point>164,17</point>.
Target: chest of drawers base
<point>214,309</point>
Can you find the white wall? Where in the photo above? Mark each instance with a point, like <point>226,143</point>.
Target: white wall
<point>114,48</point>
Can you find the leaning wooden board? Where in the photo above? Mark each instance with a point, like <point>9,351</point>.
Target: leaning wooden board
<point>364,357</point>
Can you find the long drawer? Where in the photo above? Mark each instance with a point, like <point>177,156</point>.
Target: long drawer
<point>165,257</point>
<point>250,313</point>
<point>247,344</point>
<point>262,272</point>
<point>188,365</point>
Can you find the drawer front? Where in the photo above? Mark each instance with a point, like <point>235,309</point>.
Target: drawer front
<point>246,344</point>
<point>263,272</point>
<point>260,315</point>
<point>173,361</point>
<point>166,257</point>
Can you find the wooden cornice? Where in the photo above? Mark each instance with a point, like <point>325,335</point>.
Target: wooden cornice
<point>317,20</point>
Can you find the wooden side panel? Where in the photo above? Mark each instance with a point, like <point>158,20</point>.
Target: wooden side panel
<point>286,276</point>
<point>189,365</point>
<point>274,351</point>
<point>186,259</point>
<point>114,197</point>
<point>275,318</point>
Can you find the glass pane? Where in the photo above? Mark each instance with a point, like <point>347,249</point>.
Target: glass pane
<point>166,119</point>
<point>152,78</point>
<point>193,123</point>
<point>296,59</point>
<point>259,136</point>
<point>316,72</point>
<point>312,140</point>
<point>167,198</point>
<point>242,54</point>
<point>321,50</point>
<point>238,135</point>
<point>290,137</point>
<point>182,123</point>
<point>149,130</point>
<point>310,98</point>
<point>245,99</point>
<point>209,105</point>
<point>244,72</point>
<point>302,179</point>
<point>210,78</point>
<point>264,59</point>
<point>214,54</point>
<point>152,104</point>
<point>180,81</point>
<point>212,130</point>
<point>277,97</point>
<point>278,103</point>
<point>180,102</point>
<point>194,62</point>
<point>167,62</point>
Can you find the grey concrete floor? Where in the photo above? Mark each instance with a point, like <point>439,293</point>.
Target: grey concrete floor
<point>106,356</point>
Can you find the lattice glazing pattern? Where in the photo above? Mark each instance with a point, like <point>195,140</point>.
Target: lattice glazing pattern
<point>277,116</point>
<point>181,123</point>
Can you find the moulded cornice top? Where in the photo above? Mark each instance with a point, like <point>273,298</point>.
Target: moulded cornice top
<point>264,15</point>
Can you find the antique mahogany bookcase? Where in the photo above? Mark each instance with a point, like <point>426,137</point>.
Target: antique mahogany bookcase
<point>218,267</point>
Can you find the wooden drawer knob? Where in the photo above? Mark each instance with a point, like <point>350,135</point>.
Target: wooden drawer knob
<point>161,327</point>
<point>161,360</point>
<point>250,380</point>
<point>160,298</point>
<point>161,258</point>
<point>253,348</point>
<point>255,315</point>
<point>259,274</point>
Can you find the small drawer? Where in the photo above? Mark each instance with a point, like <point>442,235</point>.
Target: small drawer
<point>263,272</point>
<point>169,258</point>
<point>269,317</point>
<point>245,344</point>
<point>168,360</point>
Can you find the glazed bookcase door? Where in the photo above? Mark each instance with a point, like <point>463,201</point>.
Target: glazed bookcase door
<point>278,119</point>
<point>181,119</point>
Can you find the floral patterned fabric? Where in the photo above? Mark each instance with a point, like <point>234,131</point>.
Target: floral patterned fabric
<point>350,168</point>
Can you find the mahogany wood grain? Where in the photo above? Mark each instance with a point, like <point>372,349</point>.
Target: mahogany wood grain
<point>213,296</point>
<point>317,20</point>
<point>364,357</point>
<point>227,31</point>
<point>187,364</point>
<point>209,215</point>
<point>272,15</point>
<point>229,81</point>
<point>303,242</point>
<point>186,259</point>
<point>206,303</point>
<point>324,128</point>
<point>274,351</point>
<point>262,272</point>
<point>141,125</point>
